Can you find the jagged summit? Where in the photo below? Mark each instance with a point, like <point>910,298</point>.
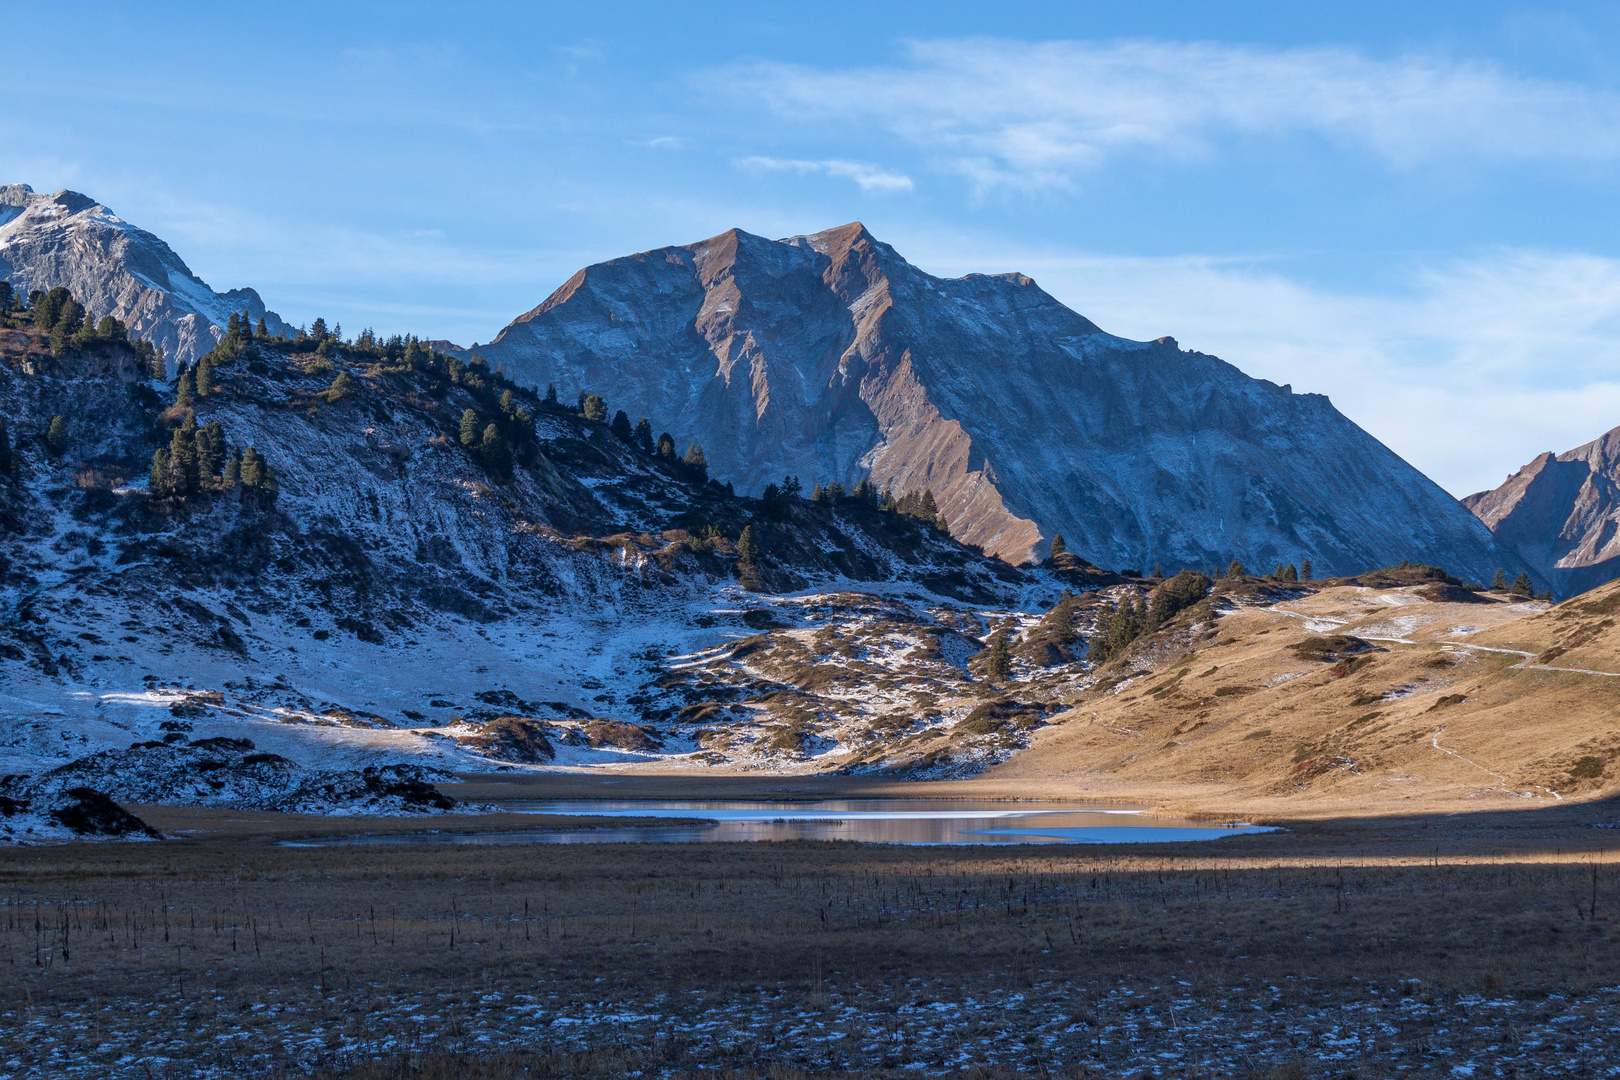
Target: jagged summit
<point>829,356</point>
<point>114,268</point>
<point>1561,514</point>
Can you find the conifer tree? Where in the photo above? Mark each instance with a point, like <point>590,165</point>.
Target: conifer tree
<point>185,392</point>
<point>342,386</point>
<point>56,435</point>
<point>1499,583</point>
<point>61,337</point>
<point>210,448</point>
<point>261,332</point>
<point>6,296</point>
<point>1059,546</point>
<point>49,309</point>
<point>1290,573</point>
<point>205,376</point>
<point>317,329</point>
<point>697,462</point>
<point>621,426</point>
<point>1305,570</point>
<point>469,428</point>
<point>551,393</point>
<point>233,470</point>
<point>110,329</point>
<point>747,557</point>
<point>160,365</point>
<point>493,447</point>
<point>508,403</point>
<point>157,485</point>
<point>253,468</point>
<point>666,446</point>
<point>644,435</point>
<point>1521,584</point>
<point>1097,646</point>
<point>182,479</point>
<point>998,662</point>
<point>1236,570</point>
<point>593,408</point>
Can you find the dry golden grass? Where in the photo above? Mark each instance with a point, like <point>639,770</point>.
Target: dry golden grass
<point>1251,721</point>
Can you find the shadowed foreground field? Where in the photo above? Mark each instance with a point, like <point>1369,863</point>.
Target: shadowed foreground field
<point>1460,943</point>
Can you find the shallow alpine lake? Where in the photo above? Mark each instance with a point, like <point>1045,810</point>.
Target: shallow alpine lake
<point>867,821</point>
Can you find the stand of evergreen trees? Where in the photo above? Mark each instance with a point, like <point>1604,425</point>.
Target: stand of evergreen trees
<point>1124,622</point>
<point>917,504</point>
<point>199,460</point>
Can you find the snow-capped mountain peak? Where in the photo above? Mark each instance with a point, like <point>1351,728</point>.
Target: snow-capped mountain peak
<point>115,268</point>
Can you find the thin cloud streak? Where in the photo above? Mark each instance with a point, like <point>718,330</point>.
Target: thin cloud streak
<point>1035,116</point>
<point>869,177</point>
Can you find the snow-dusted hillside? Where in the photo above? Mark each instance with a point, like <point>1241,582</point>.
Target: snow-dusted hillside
<point>831,357</point>
<point>400,600</point>
<point>114,268</point>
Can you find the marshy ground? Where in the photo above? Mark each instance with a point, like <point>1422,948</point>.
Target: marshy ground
<point>1472,944</point>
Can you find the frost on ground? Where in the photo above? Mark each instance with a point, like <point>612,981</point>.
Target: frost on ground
<point>1129,1028</point>
<point>408,600</point>
<point>204,962</point>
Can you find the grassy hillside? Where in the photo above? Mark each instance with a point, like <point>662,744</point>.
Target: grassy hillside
<point>1354,698</point>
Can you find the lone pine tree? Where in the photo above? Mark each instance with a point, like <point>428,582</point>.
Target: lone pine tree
<point>205,376</point>
<point>998,662</point>
<point>56,435</point>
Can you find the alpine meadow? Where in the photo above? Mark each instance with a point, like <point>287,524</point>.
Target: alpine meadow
<point>863,644</point>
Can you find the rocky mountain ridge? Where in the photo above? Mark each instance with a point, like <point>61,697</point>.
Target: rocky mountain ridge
<point>1561,514</point>
<point>114,268</point>
<point>830,356</point>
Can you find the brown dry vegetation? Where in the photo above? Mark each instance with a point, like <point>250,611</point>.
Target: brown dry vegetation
<point>1351,699</point>
<point>862,960</point>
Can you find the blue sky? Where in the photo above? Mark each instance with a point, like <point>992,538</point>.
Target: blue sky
<point>1409,207</point>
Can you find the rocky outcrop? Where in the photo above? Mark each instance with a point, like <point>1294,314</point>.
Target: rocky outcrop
<point>830,357</point>
<point>1561,514</point>
<point>114,268</point>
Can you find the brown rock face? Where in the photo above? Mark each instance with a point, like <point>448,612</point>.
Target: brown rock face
<point>831,358</point>
<point>1561,514</point>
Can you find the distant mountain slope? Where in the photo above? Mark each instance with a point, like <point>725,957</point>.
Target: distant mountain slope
<point>114,268</point>
<point>1561,514</point>
<point>830,357</point>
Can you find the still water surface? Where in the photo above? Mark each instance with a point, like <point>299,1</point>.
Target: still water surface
<point>870,821</point>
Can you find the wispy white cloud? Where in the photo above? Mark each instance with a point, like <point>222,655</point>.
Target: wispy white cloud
<point>1467,369</point>
<point>1035,116</point>
<point>869,177</point>
<point>663,142</point>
